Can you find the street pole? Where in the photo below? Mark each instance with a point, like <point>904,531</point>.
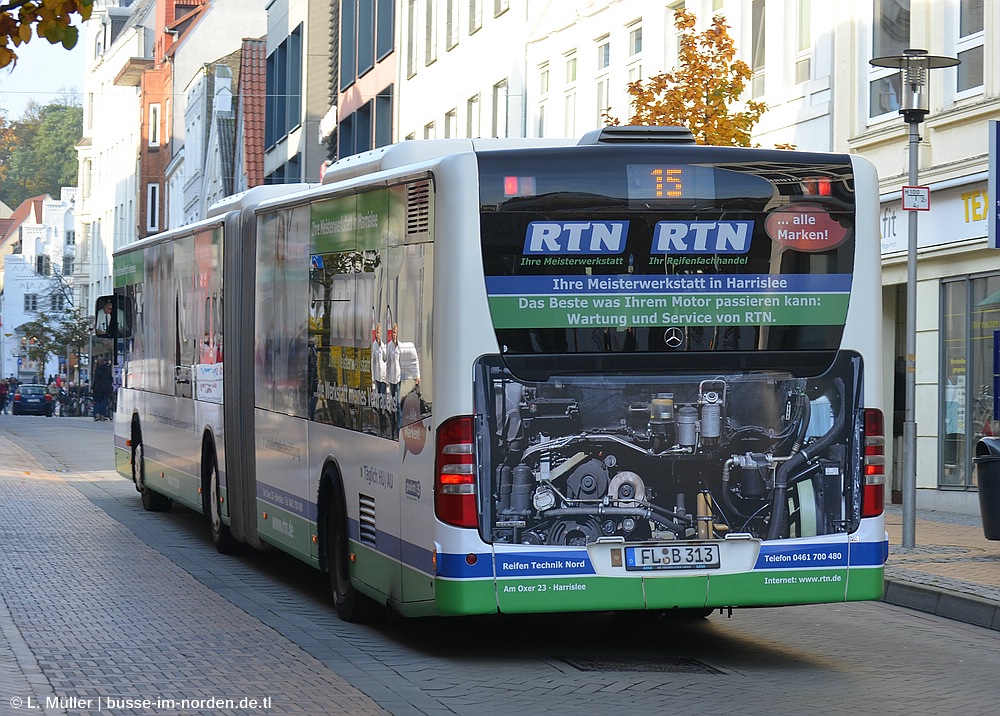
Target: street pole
<point>914,66</point>
<point>909,482</point>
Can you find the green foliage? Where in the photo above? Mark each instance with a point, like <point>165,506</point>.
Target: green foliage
<point>75,331</point>
<point>50,20</point>
<point>7,143</point>
<point>40,341</point>
<point>57,335</point>
<point>38,152</point>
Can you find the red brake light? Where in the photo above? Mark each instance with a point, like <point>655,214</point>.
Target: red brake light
<point>455,474</point>
<point>873,495</point>
<point>817,186</point>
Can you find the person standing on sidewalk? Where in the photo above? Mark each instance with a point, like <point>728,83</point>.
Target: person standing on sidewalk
<point>102,386</point>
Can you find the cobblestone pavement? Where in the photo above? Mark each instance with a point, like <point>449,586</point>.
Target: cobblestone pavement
<point>97,604</point>
<point>952,570</point>
<point>112,649</point>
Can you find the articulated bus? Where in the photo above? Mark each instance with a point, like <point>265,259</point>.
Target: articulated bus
<point>507,376</point>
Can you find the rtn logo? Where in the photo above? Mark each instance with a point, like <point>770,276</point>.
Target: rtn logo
<point>702,237</point>
<point>576,237</point>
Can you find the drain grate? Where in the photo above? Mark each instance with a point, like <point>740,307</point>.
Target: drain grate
<point>657,664</point>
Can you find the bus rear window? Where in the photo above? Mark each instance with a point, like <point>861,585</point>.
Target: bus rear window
<point>619,251</point>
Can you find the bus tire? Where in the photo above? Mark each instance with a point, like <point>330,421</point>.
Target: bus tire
<point>151,501</point>
<point>346,599</point>
<point>222,537</point>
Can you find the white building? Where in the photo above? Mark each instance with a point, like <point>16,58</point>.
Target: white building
<point>37,278</point>
<point>563,63</point>
<point>462,66</point>
<point>117,37</point>
<point>300,64</point>
<point>410,69</point>
<point>208,100</point>
<point>217,33</point>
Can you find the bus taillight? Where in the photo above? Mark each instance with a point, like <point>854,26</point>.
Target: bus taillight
<point>817,186</point>
<point>455,473</point>
<point>873,495</point>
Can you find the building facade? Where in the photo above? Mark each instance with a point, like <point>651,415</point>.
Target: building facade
<point>566,67</point>
<point>38,249</point>
<point>202,61</point>
<point>958,281</point>
<point>119,44</point>
<point>350,75</point>
<point>301,52</point>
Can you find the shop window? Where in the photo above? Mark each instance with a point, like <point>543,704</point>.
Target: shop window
<point>890,36</point>
<point>970,313</point>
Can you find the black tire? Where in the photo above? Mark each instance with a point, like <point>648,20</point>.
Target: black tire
<point>345,597</point>
<point>223,538</point>
<point>151,501</point>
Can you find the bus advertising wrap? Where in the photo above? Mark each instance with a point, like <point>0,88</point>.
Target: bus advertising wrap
<point>690,300</point>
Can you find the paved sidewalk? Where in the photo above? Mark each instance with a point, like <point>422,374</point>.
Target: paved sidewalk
<point>89,609</point>
<point>952,570</point>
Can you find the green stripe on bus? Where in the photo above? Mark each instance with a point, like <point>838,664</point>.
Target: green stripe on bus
<point>865,584</point>
<point>176,484</point>
<point>681,592</point>
<point>778,587</point>
<point>129,269</point>
<point>801,309</point>
<point>676,591</point>
<point>123,462</point>
<point>567,594</point>
<point>286,529</point>
<point>466,596</point>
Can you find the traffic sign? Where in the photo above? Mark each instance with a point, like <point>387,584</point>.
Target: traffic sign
<point>917,198</point>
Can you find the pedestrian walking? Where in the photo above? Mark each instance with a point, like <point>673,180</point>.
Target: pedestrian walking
<point>4,395</point>
<point>102,386</point>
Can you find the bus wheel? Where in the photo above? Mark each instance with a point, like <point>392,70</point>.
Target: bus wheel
<point>221,535</point>
<point>151,501</point>
<point>345,597</point>
<point>138,463</point>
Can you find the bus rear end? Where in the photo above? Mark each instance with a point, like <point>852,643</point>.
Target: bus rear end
<point>682,407</point>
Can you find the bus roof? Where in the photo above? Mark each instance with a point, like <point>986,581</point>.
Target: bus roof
<point>253,196</point>
<point>416,151</point>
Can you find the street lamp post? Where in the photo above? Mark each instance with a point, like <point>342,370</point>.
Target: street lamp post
<point>914,66</point>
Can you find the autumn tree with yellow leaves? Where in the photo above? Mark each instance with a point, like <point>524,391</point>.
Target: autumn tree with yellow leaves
<point>51,20</point>
<point>703,92</point>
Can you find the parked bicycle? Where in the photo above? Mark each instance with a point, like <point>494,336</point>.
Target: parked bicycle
<point>74,405</point>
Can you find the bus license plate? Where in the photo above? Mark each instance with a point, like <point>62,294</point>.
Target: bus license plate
<point>682,556</point>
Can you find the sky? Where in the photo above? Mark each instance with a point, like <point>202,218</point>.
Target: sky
<point>42,71</point>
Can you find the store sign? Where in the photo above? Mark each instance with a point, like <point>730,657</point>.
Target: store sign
<point>958,214</point>
<point>994,186</point>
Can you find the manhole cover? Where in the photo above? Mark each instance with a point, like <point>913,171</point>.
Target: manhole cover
<point>659,664</point>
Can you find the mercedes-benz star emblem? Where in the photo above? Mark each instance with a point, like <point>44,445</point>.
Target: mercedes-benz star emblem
<point>673,337</point>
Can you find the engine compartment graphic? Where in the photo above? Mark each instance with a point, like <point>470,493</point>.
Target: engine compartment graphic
<point>573,459</point>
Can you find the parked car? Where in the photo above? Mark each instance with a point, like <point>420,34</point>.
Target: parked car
<point>31,399</point>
